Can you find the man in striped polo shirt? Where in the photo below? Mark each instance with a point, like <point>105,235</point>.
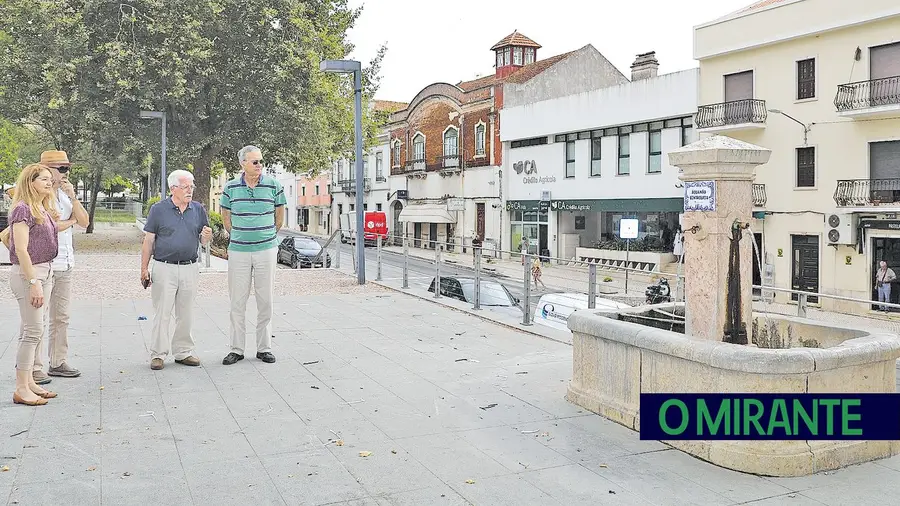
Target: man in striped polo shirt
<point>253,212</point>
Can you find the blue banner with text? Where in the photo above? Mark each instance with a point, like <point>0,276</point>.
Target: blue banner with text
<point>827,416</point>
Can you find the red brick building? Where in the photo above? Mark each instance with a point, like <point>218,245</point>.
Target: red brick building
<point>446,152</point>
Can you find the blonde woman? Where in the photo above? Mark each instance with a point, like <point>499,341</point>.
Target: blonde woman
<point>33,245</point>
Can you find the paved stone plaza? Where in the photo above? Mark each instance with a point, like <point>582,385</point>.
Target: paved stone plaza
<point>450,409</point>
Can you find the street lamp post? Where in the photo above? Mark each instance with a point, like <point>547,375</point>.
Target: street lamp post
<point>795,120</point>
<point>354,67</point>
<point>162,167</point>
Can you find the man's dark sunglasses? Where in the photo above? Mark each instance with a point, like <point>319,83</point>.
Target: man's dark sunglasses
<point>63,169</point>
<point>256,162</point>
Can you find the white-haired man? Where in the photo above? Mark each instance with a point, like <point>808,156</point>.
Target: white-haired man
<point>252,212</point>
<point>174,231</point>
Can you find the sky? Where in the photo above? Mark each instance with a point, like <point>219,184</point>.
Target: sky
<point>438,41</point>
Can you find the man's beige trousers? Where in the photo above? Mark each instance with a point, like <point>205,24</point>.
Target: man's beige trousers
<point>56,318</point>
<point>257,267</point>
<point>173,288</point>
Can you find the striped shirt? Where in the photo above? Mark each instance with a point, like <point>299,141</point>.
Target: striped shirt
<point>253,213</point>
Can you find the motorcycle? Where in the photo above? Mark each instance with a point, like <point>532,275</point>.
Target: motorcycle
<point>659,293</point>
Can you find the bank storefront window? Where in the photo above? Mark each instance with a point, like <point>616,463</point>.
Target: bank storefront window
<point>530,224</point>
<point>656,228</point>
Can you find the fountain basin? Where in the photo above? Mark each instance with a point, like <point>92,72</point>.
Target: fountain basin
<point>614,361</point>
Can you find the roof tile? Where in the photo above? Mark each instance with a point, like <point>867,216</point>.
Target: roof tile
<point>760,4</point>
<point>515,39</point>
<point>389,106</point>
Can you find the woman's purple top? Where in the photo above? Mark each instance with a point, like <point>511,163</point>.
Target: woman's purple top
<point>43,242</point>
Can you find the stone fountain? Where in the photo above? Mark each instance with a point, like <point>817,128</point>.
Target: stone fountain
<point>725,347</point>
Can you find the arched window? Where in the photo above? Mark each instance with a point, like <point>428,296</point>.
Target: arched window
<point>451,147</point>
<point>419,147</point>
<point>396,161</point>
<point>479,139</point>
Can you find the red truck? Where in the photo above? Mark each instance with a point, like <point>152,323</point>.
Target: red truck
<point>374,225</point>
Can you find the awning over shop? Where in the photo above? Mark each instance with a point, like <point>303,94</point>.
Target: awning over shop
<point>658,205</point>
<point>426,213</point>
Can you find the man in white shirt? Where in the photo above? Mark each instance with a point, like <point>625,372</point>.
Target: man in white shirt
<point>58,314</point>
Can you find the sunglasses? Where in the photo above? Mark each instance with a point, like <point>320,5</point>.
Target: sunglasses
<point>255,162</point>
<point>63,169</point>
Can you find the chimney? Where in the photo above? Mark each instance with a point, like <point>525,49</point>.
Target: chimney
<point>645,66</point>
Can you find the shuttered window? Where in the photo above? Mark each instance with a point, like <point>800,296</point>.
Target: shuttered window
<point>884,61</point>
<point>739,86</point>
<point>806,79</point>
<point>806,167</point>
<point>884,160</point>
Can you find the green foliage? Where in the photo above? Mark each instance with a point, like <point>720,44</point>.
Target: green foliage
<point>220,236</point>
<point>226,72</point>
<point>9,153</point>
<point>215,221</point>
<point>149,203</point>
<point>19,146</point>
<point>116,184</point>
<point>649,243</point>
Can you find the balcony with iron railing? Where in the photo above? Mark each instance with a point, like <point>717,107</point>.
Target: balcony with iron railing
<point>867,192</point>
<point>869,99</point>
<point>759,195</point>
<point>449,161</point>
<point>747,114</point>
<point>415,165</point>
<point>349,185</point>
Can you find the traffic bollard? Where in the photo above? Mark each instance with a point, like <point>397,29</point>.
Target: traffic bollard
<point>477,265</point>
<point>437,272</point>
<point>337,254</point>
<point>592,286</point>
<point>378,259</point>
<point>526,296</point>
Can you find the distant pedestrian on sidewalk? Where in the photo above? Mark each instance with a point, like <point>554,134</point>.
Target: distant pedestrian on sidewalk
<point>175,229</point>
<point>678,245</point>
<point>536,273</point>
<point>883,279</point>
<point>57,314</point>
<point>33,244</point>
<point>253,213</point>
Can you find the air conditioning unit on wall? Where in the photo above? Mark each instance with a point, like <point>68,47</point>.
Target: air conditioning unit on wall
<point>840,229</point>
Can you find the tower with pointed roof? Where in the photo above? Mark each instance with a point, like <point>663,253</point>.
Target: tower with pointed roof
<point>514,52</point>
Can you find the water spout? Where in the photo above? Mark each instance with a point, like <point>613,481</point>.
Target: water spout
<point>735,327</point>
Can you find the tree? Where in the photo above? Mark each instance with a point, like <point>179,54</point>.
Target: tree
<point>226,72</point>
<point>44,62</point>
<point>19,146</point>
<point>230,73</point>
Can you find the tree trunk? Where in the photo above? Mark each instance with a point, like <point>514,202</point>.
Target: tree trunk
<point>95,189</point>
<point>202,179</point>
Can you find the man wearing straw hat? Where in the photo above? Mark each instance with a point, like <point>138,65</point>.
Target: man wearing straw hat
<point>58,314</point>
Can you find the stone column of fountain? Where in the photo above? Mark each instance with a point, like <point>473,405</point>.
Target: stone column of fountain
<point>718,176</point>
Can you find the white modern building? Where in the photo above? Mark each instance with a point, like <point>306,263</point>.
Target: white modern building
<point>576,162</point>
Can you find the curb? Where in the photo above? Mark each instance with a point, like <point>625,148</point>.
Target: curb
<point>522,329</point>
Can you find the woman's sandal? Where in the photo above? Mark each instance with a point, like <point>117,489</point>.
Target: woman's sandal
<point>36,402</point>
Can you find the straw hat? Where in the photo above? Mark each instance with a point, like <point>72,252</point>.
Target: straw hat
<point>55,158</point>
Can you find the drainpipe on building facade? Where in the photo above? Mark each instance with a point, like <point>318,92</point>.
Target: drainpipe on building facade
<point>462,179</point>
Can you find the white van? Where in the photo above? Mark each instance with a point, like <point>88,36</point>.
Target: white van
<point>553,309</point>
